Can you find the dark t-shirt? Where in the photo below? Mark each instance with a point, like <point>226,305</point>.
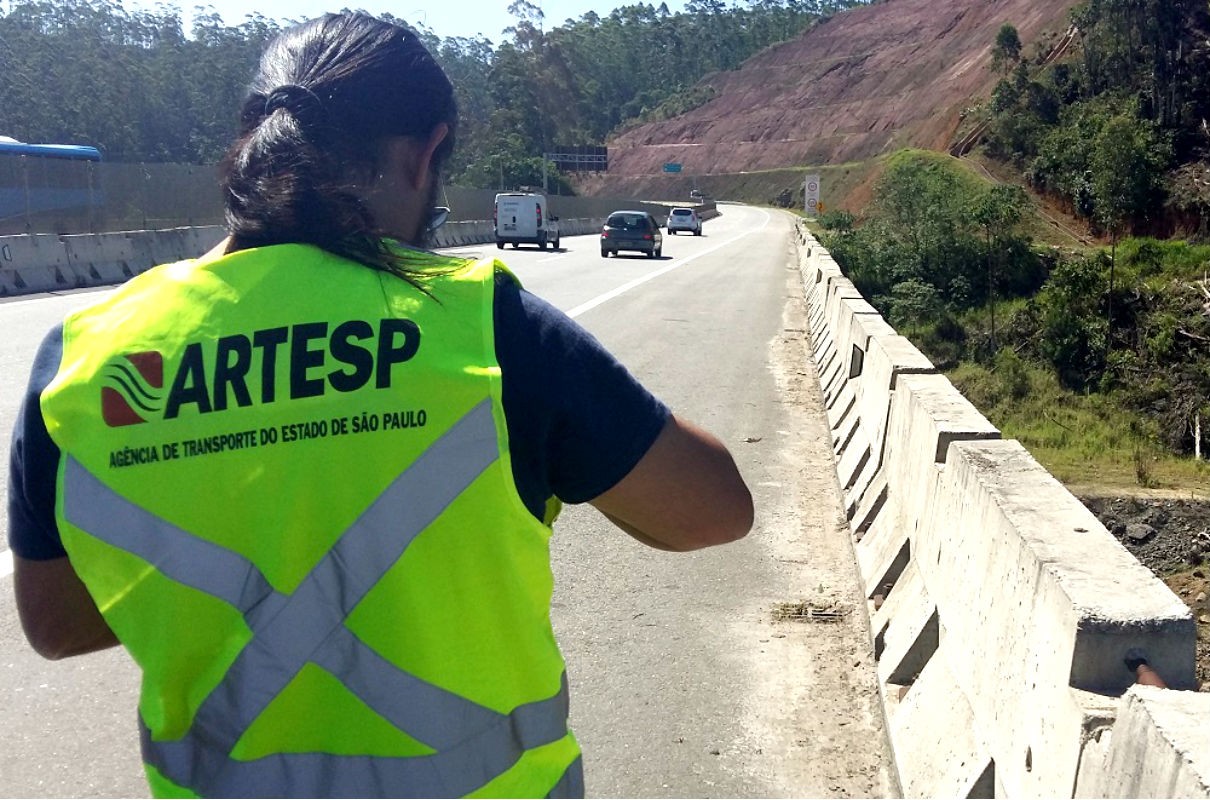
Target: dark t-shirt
<point>577,420</point>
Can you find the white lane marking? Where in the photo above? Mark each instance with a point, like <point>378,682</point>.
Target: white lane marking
<point>626,287</point>
<point>6,563</point>
<point>60,293</point>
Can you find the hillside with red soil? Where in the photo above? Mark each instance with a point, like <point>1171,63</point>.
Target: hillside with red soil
<point>865,82</point>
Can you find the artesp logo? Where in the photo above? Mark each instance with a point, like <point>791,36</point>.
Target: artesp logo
<point>242,369</point>
<point>134,388</point>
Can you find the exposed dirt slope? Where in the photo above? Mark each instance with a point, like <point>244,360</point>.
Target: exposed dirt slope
<point>867,81</point>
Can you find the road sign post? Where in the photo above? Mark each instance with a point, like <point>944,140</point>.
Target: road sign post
<point>810,190</point>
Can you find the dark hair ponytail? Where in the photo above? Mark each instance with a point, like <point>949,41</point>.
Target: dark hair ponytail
<point>325,97</point>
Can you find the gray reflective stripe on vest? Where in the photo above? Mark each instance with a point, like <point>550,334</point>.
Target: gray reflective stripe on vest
<point>474,744</point>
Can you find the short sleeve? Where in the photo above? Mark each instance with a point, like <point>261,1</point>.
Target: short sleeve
<point>578,421</point>
<point>34,465</point>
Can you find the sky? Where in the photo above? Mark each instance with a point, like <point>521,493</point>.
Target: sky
<point>444,17</point>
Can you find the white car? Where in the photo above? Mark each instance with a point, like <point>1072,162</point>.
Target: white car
<point>684,219</point>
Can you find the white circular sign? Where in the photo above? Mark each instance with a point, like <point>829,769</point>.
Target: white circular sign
<point>812,186</point>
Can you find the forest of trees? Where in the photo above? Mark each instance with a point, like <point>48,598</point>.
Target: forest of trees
<point>1117,131</point>
<point>140,88</point>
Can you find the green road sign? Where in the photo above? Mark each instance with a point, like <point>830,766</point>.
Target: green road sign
<point>672,166</point>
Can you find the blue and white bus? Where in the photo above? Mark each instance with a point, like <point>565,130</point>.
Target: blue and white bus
<point>51,187</point>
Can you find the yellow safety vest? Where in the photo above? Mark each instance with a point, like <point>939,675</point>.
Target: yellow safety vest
<point>286,482</point>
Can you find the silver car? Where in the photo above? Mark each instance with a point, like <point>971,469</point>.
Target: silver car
<point>631,230</point>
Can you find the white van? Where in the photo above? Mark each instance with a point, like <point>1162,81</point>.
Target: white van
<point>524,217</point>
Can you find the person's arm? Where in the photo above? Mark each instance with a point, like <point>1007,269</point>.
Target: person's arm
<point>57,613</point>
<point>583,428</point>
<point>685,493</point>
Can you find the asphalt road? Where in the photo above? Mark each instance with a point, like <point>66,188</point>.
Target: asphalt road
<point>686,680</point>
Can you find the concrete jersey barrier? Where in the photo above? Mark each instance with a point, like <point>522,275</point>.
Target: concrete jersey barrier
<point>1001,610</point>
<point>32,263</point>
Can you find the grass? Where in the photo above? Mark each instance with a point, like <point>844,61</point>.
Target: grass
<point>1086,441</point>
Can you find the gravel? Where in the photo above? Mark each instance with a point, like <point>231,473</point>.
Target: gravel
<point>1166,535</point>
<point>1172,538</point>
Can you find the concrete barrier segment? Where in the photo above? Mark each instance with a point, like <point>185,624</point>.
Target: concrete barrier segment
<point>827,361</point>
<point>854,458</point>
<point>839,289</point>
<point>886,358</point>
<point>1064,592</point>
<point>32,262</point>
<point>1159,747</point>
<point>926,414</point>
<point>47,262</point>
<point>150,248</point>
<point>818,295</point>
<point>829,272</point>
<point>910,638</point>
<point>817,327</point>
<point>856,321</point>
<point>197,241</point>
<point>843,436</point>
<point>840,325</point>
<point>935,739</point>
<point>862,511</point>
<point>835,376</point>
<point>935,414</point>
<point>836,316</point>
<point>886,546</point>
<point>817,302</point>
<point>840,411</point>
<point>862,328</point>
<point>901,595</point>
<point>35,279</point>
<point>806,273</point>
<point>863,478</point>
<point>1120,605</point>
<point>96,259</point>
<point>850,340</point>
<point>838,407</point>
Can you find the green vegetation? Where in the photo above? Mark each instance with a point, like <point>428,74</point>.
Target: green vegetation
<point>938,242</point>
<point>1101,368</point>
<point>1098,361</point>
<point>1084,439</point>
<point>136,86</point>
<point>1113,126</point>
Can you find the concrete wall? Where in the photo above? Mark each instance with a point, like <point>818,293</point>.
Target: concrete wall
<point>1000,608</point>
<point>37,262</point>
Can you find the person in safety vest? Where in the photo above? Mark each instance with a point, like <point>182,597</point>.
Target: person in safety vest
<point>308,479</point>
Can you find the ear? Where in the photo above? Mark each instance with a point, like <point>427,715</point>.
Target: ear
<point>420,178</point>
